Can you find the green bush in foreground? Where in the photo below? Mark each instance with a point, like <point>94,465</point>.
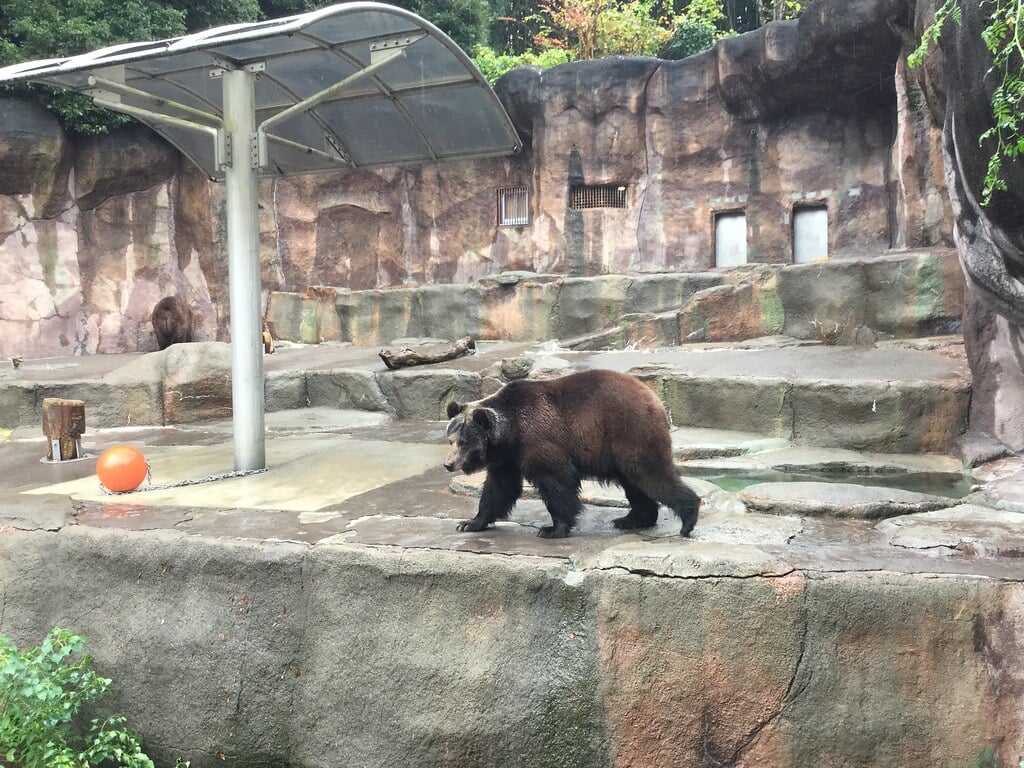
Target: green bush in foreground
<point>42,691</point>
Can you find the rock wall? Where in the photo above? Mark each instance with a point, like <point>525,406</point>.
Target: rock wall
<point>989,238</point>
<point>93,231</point>
<point>245,653</point>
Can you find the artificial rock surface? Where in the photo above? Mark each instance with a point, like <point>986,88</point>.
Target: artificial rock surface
<point>837,500</point>
<point>958,86</point>
<point>812,394</point>
<point>855,300</point>
<point>355,626</point>
<point>362,629</point>
<point>812,113</point>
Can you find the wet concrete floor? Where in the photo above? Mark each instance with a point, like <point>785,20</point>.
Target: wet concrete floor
<point>366,478</point>
<point>369,478</point>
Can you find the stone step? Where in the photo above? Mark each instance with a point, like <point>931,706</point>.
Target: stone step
<point>894,295</point>
<point>690,443</point>
<point>838,500</point>
<point>883,399</point>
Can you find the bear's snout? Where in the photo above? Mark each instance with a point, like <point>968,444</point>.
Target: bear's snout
<point>454,459</point>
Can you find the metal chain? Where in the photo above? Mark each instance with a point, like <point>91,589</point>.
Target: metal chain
<point>181,483</point>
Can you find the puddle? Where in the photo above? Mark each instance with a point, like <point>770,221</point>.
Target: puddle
<point>934,483</point>
<point>47,366</point>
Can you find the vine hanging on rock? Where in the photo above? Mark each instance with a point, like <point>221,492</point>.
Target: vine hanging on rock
<point>1004,39</point>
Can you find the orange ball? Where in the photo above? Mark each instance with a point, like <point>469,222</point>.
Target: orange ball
<point>121,468</point>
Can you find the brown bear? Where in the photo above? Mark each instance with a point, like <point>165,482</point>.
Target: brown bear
<point>599,425</point>
<point>172,321</point>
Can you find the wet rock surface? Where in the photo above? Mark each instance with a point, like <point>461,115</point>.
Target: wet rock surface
<point>976,530</point>
<point>890,399</point>
<point>756,614</point>
<point>842,301</point>
<point>837,500</point>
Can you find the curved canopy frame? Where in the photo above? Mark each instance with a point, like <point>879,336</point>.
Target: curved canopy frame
<point>357,85</point>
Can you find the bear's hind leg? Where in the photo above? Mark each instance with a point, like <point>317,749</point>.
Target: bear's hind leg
<point>668,489</point>
<point>502,489</point>
<point>643,510</point>
<point>685,503</point>
<point>561,495</point>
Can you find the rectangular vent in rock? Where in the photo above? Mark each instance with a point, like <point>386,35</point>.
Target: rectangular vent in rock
<point>730,239</point>
<point>582,196</point>
<point>810,233</point>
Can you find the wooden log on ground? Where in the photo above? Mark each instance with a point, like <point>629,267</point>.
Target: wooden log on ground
<point>409,357</point>
<point>63,425</point>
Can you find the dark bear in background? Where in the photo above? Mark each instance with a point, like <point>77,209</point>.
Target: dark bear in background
<point>599,425</point>
<point>172,321</point>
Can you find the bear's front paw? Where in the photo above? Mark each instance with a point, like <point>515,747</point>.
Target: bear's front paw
<point>473,525</point>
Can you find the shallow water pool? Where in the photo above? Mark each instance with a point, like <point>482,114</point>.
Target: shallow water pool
<point>935,483</point>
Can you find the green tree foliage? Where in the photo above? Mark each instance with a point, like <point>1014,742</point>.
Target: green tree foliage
<point>688,39</point>
<point>591,28</point>
<point>464,21</point>
<point>37,29</point>
<point>513,26</point>
<point>745,15</point>
<point>695,29</point>
<point>42,693</point>
<point>588,29</point>
<point>203,14</point>
<point>779,10</point>
<point>275,9</point>
<point>45,28</point>
<point>467,22</point>
<point>742,15</point>
<point>1004,39</point>
<point>493,65</point>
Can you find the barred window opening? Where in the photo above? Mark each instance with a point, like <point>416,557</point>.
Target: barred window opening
<point>583,196</point>
<point>513,207</point>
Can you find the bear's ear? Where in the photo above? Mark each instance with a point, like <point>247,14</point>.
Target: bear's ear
<point>485,418</point>
<point>455,408</point>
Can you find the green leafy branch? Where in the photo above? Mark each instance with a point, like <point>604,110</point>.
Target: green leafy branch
<point>42,692</point>
<point>1004,39</point>
<point>930,36</point>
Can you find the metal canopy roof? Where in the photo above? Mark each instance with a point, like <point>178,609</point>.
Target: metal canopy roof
<point>358,85</point>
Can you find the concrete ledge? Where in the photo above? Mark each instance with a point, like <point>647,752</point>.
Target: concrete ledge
<point>257,653</point>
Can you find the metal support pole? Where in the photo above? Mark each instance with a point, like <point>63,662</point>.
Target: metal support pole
<point>244,272</point>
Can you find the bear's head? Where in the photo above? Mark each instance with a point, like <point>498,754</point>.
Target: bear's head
<point>472,431</point>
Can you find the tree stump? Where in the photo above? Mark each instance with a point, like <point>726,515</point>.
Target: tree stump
<point>63,425</point>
